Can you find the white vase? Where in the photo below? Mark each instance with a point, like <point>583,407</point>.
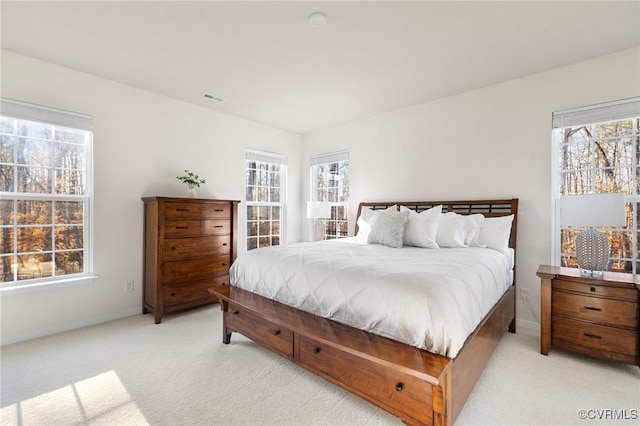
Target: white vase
<point>191,192</point>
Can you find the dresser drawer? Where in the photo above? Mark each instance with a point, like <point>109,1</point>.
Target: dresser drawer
<point>194,269</point>
<point>183,210</point>
<point>273,336</point>
<point>216,211</point>
<point>179,248</point>
<point>593,336</point>
<point>182,228</point>
<point>620,313</point>
<point>216,227</point>
<point>596,290</point>
<point>400,391</point>
<point>192,292</point>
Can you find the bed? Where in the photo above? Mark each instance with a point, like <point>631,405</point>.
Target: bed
<point>406,372</point>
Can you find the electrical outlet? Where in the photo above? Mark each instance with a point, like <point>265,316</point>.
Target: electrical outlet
<point>128,286</point>
<point>524,293</point>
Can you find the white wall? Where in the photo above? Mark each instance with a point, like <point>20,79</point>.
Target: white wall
<point>489,143</point>
<point>141,142</point>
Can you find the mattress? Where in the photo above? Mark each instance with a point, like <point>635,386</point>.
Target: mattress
<point>431,299</point>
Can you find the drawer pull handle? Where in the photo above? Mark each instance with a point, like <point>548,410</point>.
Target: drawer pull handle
<point>276,333</point>
<point>236,312</point>
<point>316,350</point>
<point>218,210</point>
<point>590,308</point>
<point>173,248</point>
<point>399,387</point>
<point>173,295</point>
<point>593,336</point>
<point>224,263</point>
<point>182,227</point>
<point>218,226</point>
<point>224,244</point>
<point>182,210</point>
<point>173,271</point>
<point>592,289</point>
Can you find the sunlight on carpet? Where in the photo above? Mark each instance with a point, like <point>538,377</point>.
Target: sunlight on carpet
<point>97,400</point>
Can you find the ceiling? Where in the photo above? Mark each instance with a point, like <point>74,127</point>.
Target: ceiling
<point>272,67</point>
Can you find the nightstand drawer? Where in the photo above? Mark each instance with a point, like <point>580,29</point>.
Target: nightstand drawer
<point>619,313</point>
<point>593,336</point>
<point>597,290</point>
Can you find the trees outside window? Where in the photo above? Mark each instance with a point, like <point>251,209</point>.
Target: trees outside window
<point>330,183</point>
<point>44,195</point>
<point>266,176</point>
<point>600,155</point>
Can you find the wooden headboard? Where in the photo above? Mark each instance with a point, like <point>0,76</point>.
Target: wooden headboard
<point>489,208</point>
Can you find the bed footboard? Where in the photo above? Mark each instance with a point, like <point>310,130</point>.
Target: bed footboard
<point>419,387</point>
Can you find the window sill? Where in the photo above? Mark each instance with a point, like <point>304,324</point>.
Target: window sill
<point>46,285</point>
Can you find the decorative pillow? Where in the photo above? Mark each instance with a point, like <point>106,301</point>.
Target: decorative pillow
<point>387,228</point>
<point>452,230</point>
<point>495,233</point>
<point>473,224</point>
<point>422,227</point>
<point>364,222</point>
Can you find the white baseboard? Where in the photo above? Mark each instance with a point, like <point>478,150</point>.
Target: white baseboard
<point>21,337</point>
<point>530,326</point>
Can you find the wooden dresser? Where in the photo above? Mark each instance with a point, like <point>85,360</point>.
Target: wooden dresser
<point>596,317</point>
<point>189,245</point>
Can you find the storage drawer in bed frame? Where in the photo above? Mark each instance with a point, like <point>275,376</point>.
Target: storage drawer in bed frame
<point>412,384</point>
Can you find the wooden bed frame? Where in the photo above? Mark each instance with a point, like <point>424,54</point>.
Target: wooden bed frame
<point>419,387</point>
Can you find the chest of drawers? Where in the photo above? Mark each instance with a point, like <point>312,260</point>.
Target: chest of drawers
<point>189,245</point>
<point>595,316</point>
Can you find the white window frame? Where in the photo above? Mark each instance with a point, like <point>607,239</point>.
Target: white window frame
<point>56,118</point>
<point>269,158</point>
<point>606,112</point>
<point>329,158</point>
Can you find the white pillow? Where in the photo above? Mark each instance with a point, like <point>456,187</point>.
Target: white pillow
<point>452,230</point>
<point>473,224</point>
<point>387,228</point>
<point>422,227</point>
<point>495,233</point>
<point>364,222</point>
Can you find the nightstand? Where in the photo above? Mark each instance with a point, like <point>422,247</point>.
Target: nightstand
<point>599,317</point>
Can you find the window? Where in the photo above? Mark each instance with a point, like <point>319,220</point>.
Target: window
<point>45,194</point>
<point>266,177</point>
<point>598,152</point>
<point>330,183</point>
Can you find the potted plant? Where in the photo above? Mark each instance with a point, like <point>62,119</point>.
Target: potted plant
<point>192,180</point>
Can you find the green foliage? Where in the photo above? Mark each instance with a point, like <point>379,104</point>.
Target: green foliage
<point>190,179</point>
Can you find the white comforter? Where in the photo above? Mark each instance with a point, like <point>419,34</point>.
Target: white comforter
<point>430,299</point>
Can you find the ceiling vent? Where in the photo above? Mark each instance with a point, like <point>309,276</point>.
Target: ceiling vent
<point>215,98</point>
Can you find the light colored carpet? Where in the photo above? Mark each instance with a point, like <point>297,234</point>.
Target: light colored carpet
<point>133,372</point>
